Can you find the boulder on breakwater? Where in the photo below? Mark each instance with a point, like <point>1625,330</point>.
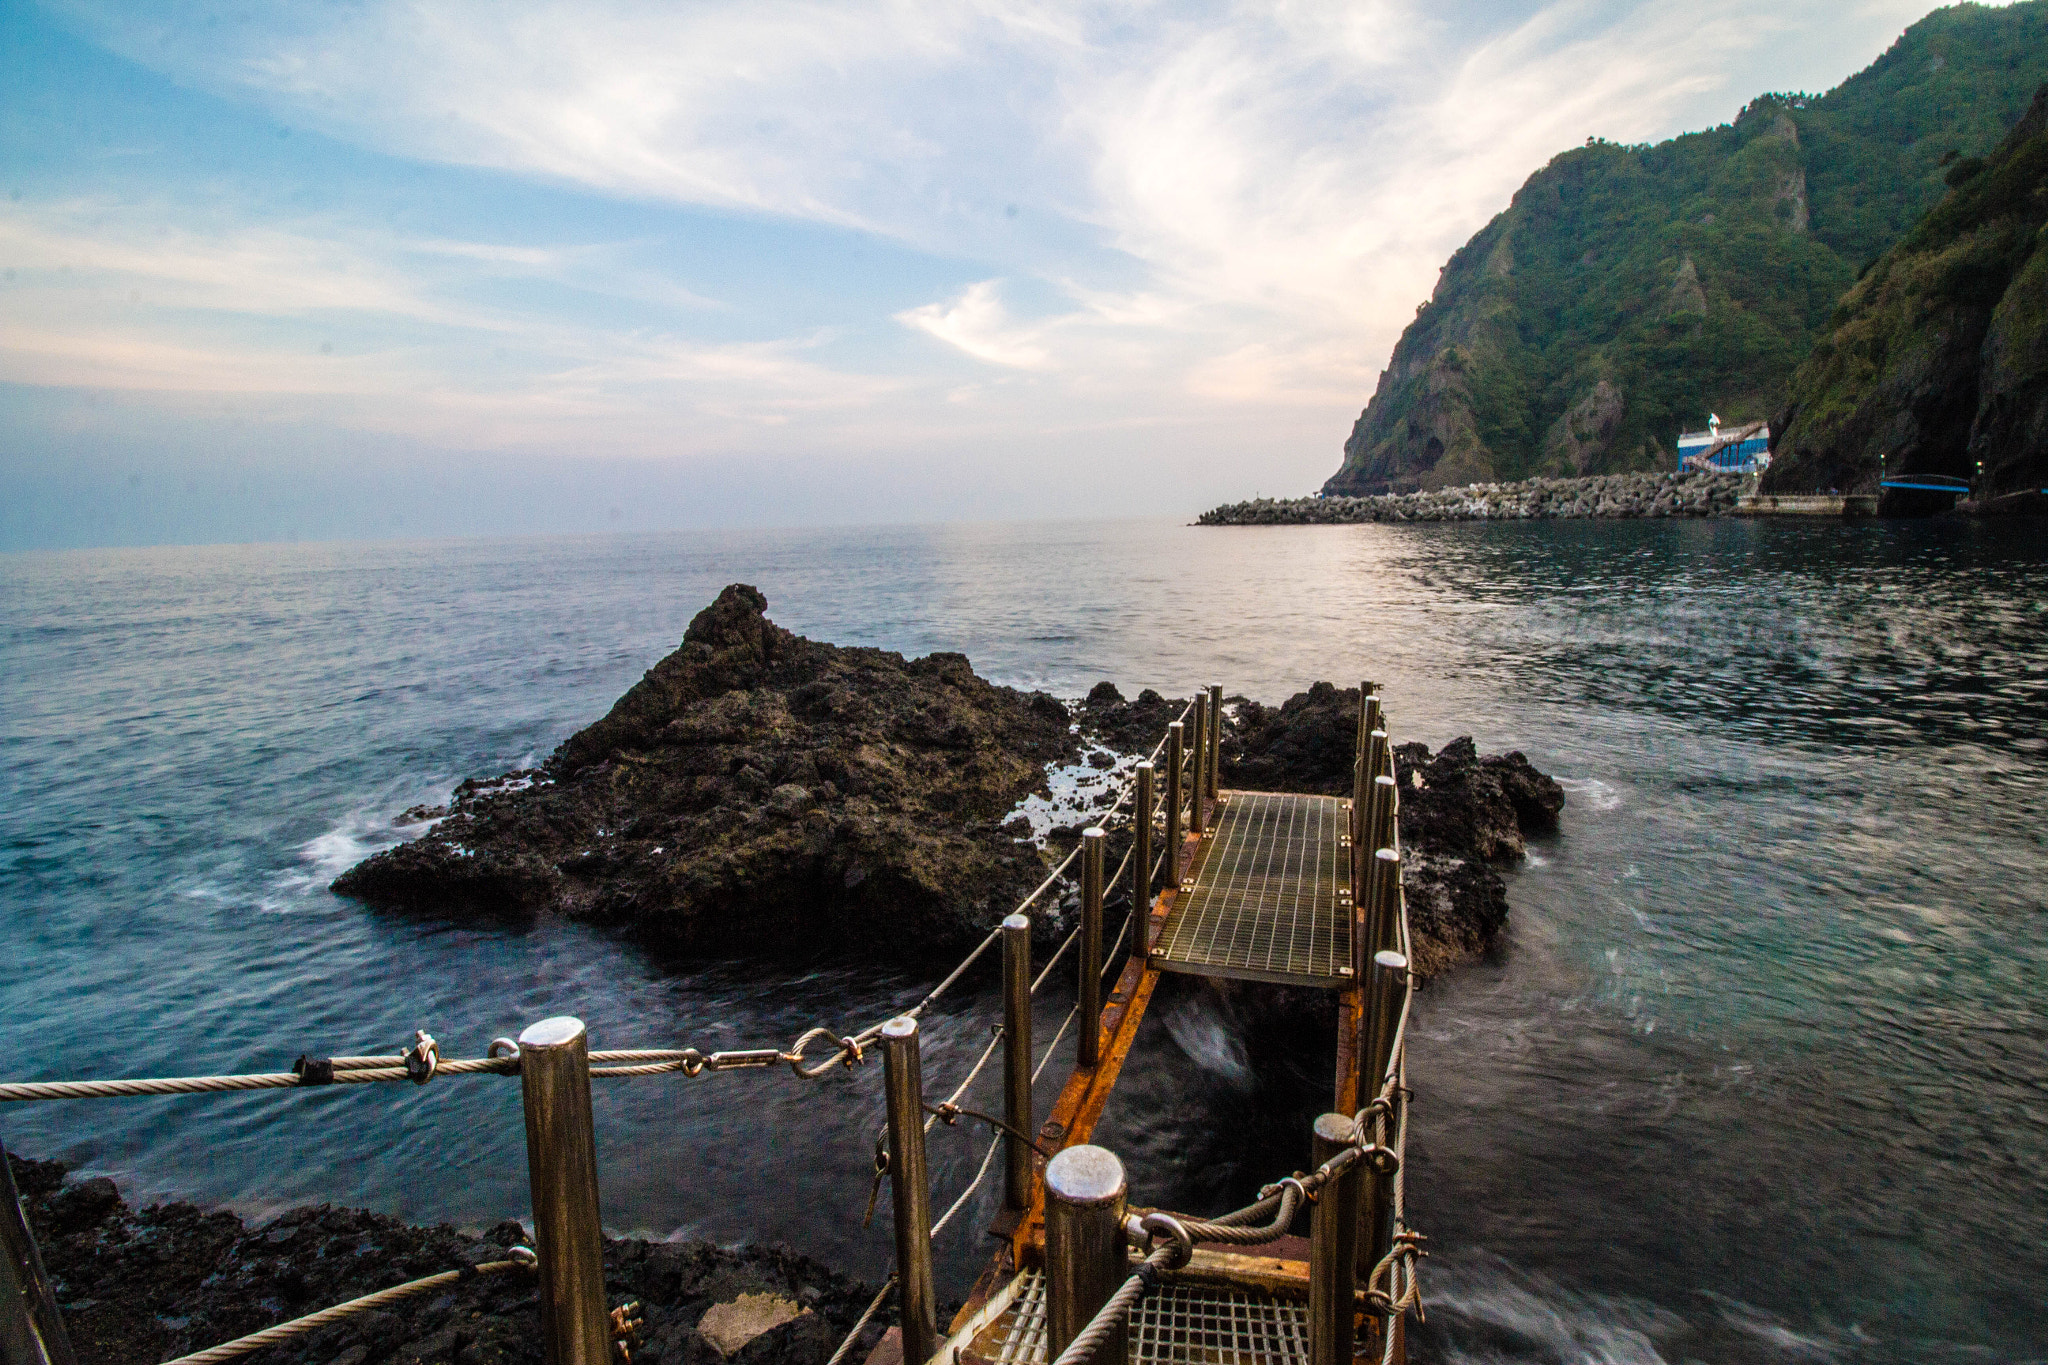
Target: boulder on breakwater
<point>1463,816</point>
<point>758,791</point>
<point>1688,494</point>
<point>140,1286</point>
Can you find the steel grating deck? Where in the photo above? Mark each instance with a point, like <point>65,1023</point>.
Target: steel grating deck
<point>1271,899</point>
<point>1179,1322</point>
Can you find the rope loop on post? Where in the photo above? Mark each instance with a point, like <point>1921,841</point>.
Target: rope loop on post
<point>1182,1241</point>
<point>850,1052</point>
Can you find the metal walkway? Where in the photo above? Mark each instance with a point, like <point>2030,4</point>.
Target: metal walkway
<point>1268,897</point>
<point>1187,1320</point>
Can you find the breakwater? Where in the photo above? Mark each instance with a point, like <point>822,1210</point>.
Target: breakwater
<point>1687,494</point>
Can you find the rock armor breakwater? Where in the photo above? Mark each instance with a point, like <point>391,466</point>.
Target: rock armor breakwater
<point>1687,494</point>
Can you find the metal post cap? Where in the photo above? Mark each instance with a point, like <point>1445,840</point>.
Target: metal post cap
<point>1085,1175</point>
<point>1095,832</point>
<point>1388,855</point>
<point>903,1026</point>
<point>1384,778</point>
<point>1387,957</point>
<point>1336,1128</point>
<point>1145,766</point>
<point>1016,921</point>
<point>559,1031</point>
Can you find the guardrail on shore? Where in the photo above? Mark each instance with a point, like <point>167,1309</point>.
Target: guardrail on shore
<point>1359,1228</point>
<point>555,1065</point>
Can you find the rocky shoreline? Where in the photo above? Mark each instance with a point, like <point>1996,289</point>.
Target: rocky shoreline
<point>1688,494</point>
<point>137,1286</point>
<point>761,793</point>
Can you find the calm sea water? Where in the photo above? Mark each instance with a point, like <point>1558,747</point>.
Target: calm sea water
<point>1761,1074</point>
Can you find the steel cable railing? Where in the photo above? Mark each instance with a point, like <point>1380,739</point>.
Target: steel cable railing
<point>422,1063</point>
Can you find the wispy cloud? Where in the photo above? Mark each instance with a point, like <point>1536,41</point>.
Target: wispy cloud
<point>1165,216</point>
<point>978,324</point>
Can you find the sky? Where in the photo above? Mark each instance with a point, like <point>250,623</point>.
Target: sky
<point>368,269</point>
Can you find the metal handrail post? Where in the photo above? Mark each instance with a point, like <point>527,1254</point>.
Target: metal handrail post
<point>1386,993</point>
<point>1383,917</point>
<point>31,1328</point>
<point>561,1164</point>
<point>1141,847</point>
<point>1173,834</point>
<point>1382,867</point>
<point>1333,1248</point>
<point>1198,760</point>
<point>910,1189</point>
<point>1088,1045</point>
<point>1215,739</point>
<point>1085,1261</point>
<point>1017,1105</point>
<point>1359,825</point>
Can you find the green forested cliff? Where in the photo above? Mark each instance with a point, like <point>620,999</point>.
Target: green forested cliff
<point>1936,362</point>
<point>1627,290</point>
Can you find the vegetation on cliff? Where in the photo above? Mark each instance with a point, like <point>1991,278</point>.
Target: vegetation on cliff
<point>1628,289</point>
<point>1936,362</point>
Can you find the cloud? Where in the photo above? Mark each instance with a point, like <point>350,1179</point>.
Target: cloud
<point>977,323</point>
<point>1206,218</point>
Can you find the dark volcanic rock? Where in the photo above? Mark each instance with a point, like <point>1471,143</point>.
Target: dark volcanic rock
<point>1130,727</point>
<point>139,1287</point>
<point>1465,806</point>
<point>1462,816</point>
<point>762,791</point>
<point>1307,745</point>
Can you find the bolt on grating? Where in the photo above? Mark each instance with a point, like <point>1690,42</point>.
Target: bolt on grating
<point>1180,1322</point>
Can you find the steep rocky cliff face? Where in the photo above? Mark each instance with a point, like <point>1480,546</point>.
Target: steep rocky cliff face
<point>1936,361</point>
<point>1628,290</point>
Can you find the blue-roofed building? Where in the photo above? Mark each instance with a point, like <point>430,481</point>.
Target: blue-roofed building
<point>1738,450</point>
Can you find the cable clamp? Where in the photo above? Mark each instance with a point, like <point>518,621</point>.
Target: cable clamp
<point>423,1058</point>
<point>314,1070</point>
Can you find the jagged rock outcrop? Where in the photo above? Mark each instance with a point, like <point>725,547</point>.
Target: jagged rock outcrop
<point>1937,360</point>
<point>1689,275</point>
<point>1462,816</point>
<point>140,1286</point>
<point>758,791</point>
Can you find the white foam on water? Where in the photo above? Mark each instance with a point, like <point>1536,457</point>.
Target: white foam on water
<point>1754,1322</point>
<point>361,833</point>
<point>1590,792</point>
<point>1491,1312</point>
<point>1201,1031</point>
<point>1076,791</point>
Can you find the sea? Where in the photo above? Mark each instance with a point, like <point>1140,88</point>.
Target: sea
<point>1759,1073</point>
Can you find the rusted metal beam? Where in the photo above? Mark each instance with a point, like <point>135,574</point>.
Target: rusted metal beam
<point>1086,1092</point>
